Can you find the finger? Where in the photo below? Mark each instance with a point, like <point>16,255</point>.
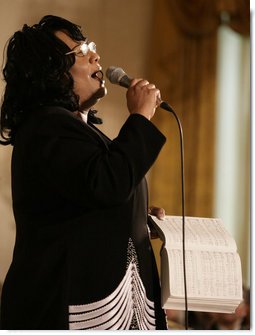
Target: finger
<point>142,83</point>
<point>158,212</point>
<point>161,214</point>
<point>135,81</point>
<point>158,98</point>
<point>150,86</point>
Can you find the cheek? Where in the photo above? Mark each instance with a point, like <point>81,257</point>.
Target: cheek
<point>78,71</point>
<point>84,85</point>
<point>81,78</point>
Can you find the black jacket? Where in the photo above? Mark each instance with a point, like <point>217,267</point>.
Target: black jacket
<point>82,256</point>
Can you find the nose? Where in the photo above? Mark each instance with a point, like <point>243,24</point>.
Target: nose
<point>93,57</point>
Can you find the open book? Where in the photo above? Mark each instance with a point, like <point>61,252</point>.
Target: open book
<point>213,267</point>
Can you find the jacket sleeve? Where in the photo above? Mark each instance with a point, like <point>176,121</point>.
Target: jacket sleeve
<point>81,167</point>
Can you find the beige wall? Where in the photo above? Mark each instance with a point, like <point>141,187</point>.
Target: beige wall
<point>119,27</point>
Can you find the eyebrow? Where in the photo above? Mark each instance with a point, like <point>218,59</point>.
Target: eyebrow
<point>82,41</point>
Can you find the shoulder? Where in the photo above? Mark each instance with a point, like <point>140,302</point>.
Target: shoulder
<point>53,115</point>
<point>51,122</point>
<point>55,119</point>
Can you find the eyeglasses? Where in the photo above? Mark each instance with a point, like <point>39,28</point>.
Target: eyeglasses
<point>83,49</point>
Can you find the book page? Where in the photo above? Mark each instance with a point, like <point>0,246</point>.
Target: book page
<point>209,274</point>
<point>200,233</point>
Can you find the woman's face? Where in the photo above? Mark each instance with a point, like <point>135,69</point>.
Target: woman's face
<point>87,85</point>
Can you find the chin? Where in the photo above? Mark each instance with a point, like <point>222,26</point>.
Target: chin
<point>100,93</point>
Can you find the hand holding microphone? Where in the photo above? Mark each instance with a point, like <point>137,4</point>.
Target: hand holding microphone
<point>142,97</point>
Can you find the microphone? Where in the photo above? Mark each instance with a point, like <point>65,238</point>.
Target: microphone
<point>118,76</point>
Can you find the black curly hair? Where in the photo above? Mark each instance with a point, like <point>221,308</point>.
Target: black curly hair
<point>37,72</point>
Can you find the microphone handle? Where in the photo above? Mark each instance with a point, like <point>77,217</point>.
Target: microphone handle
<point>125,81</point>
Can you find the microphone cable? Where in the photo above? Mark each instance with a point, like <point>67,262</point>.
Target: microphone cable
<point>164,105</point>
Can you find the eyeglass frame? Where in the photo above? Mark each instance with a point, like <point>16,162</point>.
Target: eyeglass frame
<point>91,46</point>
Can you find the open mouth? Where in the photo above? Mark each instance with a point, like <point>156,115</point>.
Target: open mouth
<point>98,75</point>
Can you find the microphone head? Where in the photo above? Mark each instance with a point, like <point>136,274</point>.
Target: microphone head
<point>115,74</point>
